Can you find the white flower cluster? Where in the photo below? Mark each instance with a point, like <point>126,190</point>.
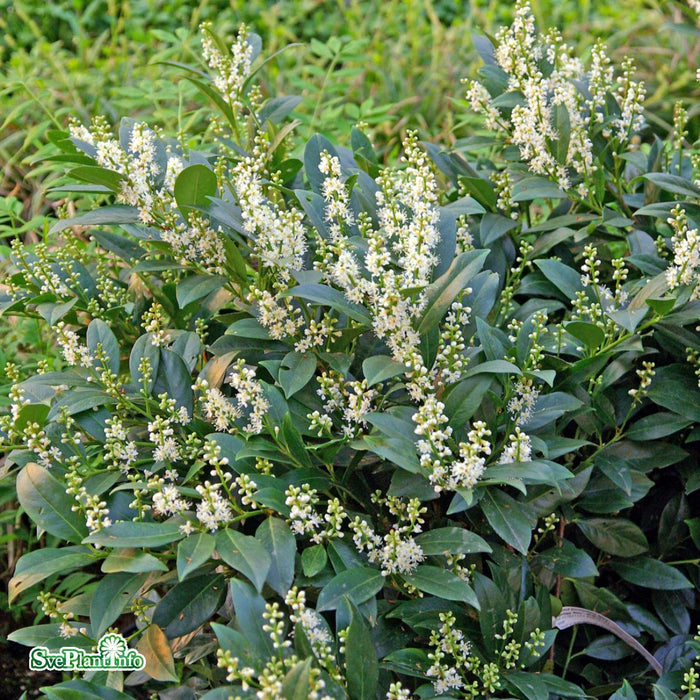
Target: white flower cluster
<point>335,193</point>
<point>450,360</point>
<point>314,626</point>
<point>318,333</point>
<point>91,505</point>
<point>304,517</point>
<point>448,470</point>
<point>276,314</point>
<point>518,449</point>
<point>217,408</point>
<point>278,233</point>
<point>120,452</point>
<point>415,236</point>
<point>249,401</point>
<point>250,396</point>
<point>43,266</point>
<point>137,164</point>
<point>521,404</point>
<point>449,644</point>
<point>195,241</point>
<point>168,501</point>
<point>74,352</point>
<point>352,398</point>
<point>686,254</point>
<point>269,678</point>
<point>533,124</point>
<point>232,67</point>
<point>397,551</point>
<point>408,227</point>
<point>338,261</point>
<point>214,509</point>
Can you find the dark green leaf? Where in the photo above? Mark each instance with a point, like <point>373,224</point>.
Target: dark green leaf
<point>245,554</point>
<point>112,595</point>
<point>82,690</point>
<point>276,109</point>
<point>564,278</point>
<point>568,560</point>
<point>39,564</point>
<point>134,534</point>
<point>313,560</point>
<point>442,583</point>
<point>46,502</point>
<point>562,126</point>
<point>115,214</point>
<point>674,184</point>
<point>175,380</point>
<point>293,440</point>
<point>614,536</point>
<point>189,604</point>
<point>99,333</point>
<point>675,387</point>
<point>529,684</point>
<point>296,372</point>
<point>451,540</point>
<point>492,610</point>
<point>530,188</point>
<point>358,585</point>
<point>590,334</point>
<point>378,368</point>
<point>110,179</point>
<point>144,350</point>
<point>194,551</point>
<point>441,293</point>
<point>320,294</point>
<point>361,663</point>
<point>196,287</point>
<point>296,683</point>
<point>672,608</point>
<point>280,544</point>
<point>506,516</point>
<point>651,573</point>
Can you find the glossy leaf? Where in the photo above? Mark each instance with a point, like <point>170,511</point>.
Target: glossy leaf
<point>46,502</point>
<point>193,187</point>
<point>361,659</point>
<point>358,585</point>
<point>451,540</point>
<point>614,535</point>
<point>296,372</point>
<point>651,573</point>
<point>506,516</point>
<point>192,552</point>
<point>245,554</point>
<point>189,604</point>
<point>135,534</point>
<point>278,540</point>
<point>442,583</point>
<point>100,334</point>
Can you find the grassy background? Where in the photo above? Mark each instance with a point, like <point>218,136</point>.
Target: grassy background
<point>393,64</point>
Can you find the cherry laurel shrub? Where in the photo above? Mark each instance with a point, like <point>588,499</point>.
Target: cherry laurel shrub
<point>326,429</point>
